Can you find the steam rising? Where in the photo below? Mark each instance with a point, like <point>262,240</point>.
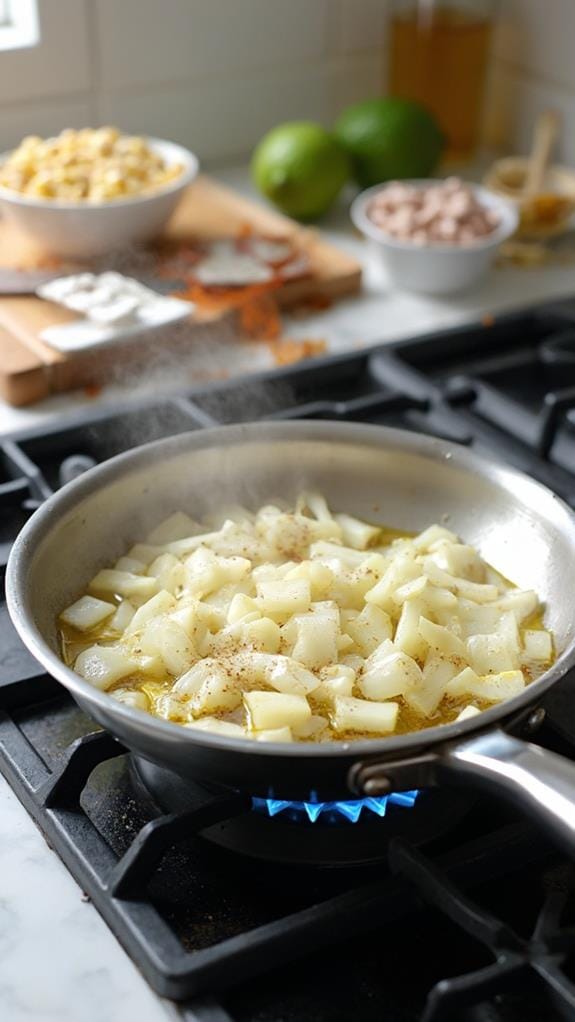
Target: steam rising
<point>183,374</point>
<point>193,376</point>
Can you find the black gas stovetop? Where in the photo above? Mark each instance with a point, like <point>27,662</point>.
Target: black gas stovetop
<point>480,923</point>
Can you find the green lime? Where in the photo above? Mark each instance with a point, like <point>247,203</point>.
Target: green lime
<point>389,138</point>
<point>301,168</point>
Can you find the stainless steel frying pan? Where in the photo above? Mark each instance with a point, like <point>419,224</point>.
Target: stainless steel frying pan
<point>399,478</point>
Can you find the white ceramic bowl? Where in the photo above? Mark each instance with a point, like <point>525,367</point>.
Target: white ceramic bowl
<point>86,229</point>
<point>436,269</point>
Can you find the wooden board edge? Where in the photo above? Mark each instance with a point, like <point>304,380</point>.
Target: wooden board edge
<point>23,378</point>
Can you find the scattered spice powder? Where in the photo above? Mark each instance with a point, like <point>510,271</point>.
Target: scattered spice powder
<point>291,349</point>
<point>311,303</point>
<point>259,318</point>
<point>223,299</point>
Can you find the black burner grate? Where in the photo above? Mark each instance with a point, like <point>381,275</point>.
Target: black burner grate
<point>363,944</point>
<point>543,953</point>
<point>182,954</point>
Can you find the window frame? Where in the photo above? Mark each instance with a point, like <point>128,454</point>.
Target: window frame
<point>19,24</point>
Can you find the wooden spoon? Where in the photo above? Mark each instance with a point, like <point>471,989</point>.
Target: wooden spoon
<point>544,136</point>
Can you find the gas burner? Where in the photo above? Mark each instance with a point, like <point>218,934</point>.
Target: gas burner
<point>311,833</point>
<point>333,811</point>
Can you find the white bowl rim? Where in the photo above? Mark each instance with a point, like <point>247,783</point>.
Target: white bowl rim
<point>178,153</point>
<point>509,220</point>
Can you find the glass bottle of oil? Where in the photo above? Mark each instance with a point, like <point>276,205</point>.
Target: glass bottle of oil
<point>438,55</point>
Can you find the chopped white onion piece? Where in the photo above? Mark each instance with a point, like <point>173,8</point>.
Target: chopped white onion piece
<point>467,713</point>
<point>86,613</point>
<point>537,646</point>
<point>351,714</point>
<point>104,665</point>
<point>275,709</point>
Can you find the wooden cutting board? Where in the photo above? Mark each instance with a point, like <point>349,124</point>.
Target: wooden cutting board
<point>30,370</point>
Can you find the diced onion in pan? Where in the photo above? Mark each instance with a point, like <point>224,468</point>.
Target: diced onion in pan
<point>303,625</point>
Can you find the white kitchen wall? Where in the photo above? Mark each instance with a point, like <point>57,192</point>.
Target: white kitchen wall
<point>216,74</point>
<point>213,74</point>
<point>533,70</point>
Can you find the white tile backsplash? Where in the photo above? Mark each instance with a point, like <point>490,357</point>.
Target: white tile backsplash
<point>525,97</point>
<point>538,37</point>
<point>357,77</point>
<point>498,108</point>
<point>223,118</point>
<point>216,74</point>
<point>143,42</point>
<point>59,66</point>
<point>17,120</point>
<point>362,25</point>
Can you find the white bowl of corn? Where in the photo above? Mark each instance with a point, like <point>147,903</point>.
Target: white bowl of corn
<point>88,192</point>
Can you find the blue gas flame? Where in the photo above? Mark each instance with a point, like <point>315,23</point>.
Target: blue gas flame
<point>349,810</point>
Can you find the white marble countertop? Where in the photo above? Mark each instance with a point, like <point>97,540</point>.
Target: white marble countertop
<point>58,960</point>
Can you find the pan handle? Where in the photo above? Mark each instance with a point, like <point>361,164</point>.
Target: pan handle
<point>537,780</point>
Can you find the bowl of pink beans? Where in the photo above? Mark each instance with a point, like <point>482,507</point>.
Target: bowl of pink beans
<point>436,237</point>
